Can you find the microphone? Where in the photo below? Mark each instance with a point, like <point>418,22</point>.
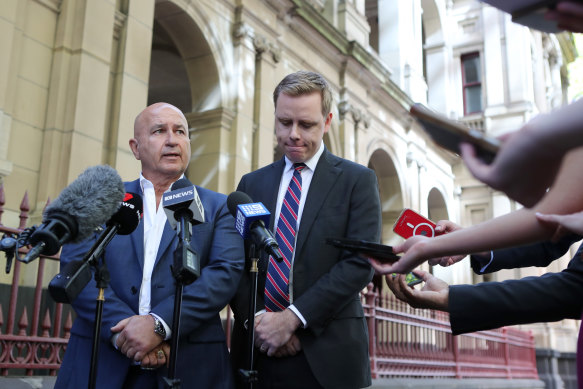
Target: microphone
<point>183,209</point>
<point>84,205</point>
<point>183,199</point>
<point>66,286</point>
<point>128,216</point>
<point>250,220</point>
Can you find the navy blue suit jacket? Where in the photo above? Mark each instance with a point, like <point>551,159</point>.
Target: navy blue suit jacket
<point>202,353</point>
<point>343,201</point>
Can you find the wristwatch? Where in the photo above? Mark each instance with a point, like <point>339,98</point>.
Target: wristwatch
<point>159,327</point>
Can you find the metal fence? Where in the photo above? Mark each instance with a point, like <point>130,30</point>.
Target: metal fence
<point>408,342</point>
<point>403,342</point>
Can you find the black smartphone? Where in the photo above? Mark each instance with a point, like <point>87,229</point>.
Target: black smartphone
<point>449,134</point>
<point>370,249</point>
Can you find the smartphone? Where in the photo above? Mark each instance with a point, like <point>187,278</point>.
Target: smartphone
<point>449,134</point>
<point>411,223</point>
<point>378,251</point>
<point>410,278</point>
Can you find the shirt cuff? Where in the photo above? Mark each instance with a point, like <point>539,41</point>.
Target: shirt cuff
<point>166,328</point>
<point>114,340</point>
<point>483,269</point>
<point>299,315</point>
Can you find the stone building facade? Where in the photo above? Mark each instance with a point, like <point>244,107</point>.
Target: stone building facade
<point>74,74</point>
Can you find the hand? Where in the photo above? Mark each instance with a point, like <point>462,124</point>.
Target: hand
<point>563,223</point>
<point>414,247</point>
<point>444,227</point>
<point>274,329</point>
<point>433,295</point>
<point>136,336</point>
<point>157,357</point>
<point>568,14</point>
<point>291,348</point>
<point>523,169</point>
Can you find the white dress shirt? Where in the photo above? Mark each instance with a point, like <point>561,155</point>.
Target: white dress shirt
<point>307,174</point>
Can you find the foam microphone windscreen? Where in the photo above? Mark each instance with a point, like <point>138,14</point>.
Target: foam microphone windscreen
<point>90,200</point>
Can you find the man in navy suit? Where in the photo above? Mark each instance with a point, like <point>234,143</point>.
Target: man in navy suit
<point>313,334</point>
<point>139,302</point>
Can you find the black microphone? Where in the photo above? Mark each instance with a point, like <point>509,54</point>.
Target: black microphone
<point>84,205</point>
<point>128,216</point>
<point>250,220</point>
<point>183,209</point>
<point>66,286</point>
<point>183,200</point>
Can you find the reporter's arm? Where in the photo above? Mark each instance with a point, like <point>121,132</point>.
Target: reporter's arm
<point>516,228</point>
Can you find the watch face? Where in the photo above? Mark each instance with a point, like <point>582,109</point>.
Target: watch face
<point>159,328</point>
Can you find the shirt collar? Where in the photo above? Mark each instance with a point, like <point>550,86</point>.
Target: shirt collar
<point>145,183</point>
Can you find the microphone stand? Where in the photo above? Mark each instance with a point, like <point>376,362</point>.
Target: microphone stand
<point>250,375</point>
<point>102,281</point>
<point>185,270</point>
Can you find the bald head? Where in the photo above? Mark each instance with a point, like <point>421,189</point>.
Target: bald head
<point>161,142</point>
<point>144,116</point>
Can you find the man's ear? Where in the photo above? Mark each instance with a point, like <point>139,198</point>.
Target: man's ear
<point>134,145</point>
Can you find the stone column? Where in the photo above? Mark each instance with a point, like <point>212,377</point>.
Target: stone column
<point>78,99</point>
<point>129,92</point>
<point>400,44</point>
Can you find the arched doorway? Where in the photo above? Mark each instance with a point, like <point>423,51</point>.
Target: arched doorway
<point>184,72</point>
<point>390,192</point>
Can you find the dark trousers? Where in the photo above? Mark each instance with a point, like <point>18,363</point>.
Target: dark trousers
<point>285,373</point>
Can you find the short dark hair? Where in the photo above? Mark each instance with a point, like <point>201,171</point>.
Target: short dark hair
<point>304,82</point>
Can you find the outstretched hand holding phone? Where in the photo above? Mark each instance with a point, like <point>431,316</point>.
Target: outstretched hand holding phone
<point>434,294</point>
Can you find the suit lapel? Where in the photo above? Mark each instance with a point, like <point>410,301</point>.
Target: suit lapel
<point>168,236</point>
<point>324,178</point>
<point>272,181</point>
<point>137,237</point>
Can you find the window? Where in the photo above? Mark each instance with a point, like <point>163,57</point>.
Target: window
<point>472,83</point>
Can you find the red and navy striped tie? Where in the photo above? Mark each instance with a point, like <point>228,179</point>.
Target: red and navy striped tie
<point>277,282</point>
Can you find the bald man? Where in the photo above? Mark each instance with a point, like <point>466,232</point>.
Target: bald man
<point>139,302</point>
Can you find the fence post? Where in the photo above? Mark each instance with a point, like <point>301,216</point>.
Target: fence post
<point>456,356</point>
<point>370,299</point>
<point>507,353</point>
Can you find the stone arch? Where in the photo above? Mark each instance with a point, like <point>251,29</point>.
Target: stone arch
<point>188,54</point>
<point>436,205</point>
<point>183,69</point>
<point>390,191</point>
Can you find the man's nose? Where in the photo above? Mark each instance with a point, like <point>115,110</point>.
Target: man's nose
<point>294,133</point>
<point>171,138</point>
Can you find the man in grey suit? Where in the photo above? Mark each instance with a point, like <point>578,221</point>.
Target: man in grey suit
<point>310,325</point>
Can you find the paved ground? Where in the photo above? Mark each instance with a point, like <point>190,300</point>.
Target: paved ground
<point>48,383</point>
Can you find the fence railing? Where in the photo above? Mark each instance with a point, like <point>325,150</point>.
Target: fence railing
<point>33,345</point>
<point>403,342</point>
<point>408,342</point>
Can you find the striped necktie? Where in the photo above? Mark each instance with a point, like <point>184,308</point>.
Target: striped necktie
<point>277,282</point>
